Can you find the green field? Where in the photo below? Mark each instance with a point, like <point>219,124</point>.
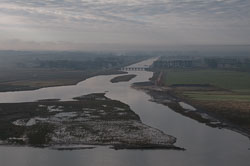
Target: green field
<point>217,96</point>
<point>231,80</point>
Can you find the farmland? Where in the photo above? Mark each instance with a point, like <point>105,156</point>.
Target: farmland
<point>224,93</point>
<point>230,80</point>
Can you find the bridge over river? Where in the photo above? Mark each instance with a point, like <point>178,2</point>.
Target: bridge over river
<point>134,68</point>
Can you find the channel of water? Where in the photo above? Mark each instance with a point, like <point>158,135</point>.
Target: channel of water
<point>205,146</point>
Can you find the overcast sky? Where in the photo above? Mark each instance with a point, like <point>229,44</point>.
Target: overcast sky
<point>95,24</point>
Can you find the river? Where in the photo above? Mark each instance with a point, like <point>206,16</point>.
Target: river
<point>205,146</point>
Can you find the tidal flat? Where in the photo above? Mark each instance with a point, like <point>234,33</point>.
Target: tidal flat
<point>91,119</point>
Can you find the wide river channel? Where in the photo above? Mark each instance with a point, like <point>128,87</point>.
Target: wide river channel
<point>205,146</point>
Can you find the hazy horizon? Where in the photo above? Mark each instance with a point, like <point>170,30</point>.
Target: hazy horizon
<point>109,48</point>
<point>122,24</point>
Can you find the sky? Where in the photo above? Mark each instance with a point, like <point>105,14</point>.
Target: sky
<point>130,24</point>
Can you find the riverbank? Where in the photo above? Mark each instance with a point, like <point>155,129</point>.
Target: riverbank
<point>23,80</point>
<point>88,120</point>
<point>171,97</point>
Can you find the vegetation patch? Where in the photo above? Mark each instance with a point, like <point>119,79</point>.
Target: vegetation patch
<point>124,78</point>
<point>33,70</point>
<point>225,79</point>
<point>221,94</point>
<point>215,108</point>
<point>31,79</point>
<point>227,97</point>
<point>217,96</point>
<point>91,119</point>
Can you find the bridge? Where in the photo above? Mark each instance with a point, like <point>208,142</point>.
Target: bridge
<point>134,68</point>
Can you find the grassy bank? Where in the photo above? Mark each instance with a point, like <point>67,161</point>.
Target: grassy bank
<point>219,85</point>
<point>224,93</point>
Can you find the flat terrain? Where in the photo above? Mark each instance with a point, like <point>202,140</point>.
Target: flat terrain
<point>89,120</point>
<point>217,96</point>
<point>124,78</point>
<point>34,70</point>
<point>221,114</point>
<point>224,93</point>
<point>30,79</point>
<point>225,79</point>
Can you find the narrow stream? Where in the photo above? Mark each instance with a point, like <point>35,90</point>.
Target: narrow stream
<point>205,146</point>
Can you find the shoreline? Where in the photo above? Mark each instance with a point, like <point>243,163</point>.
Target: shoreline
<point>8,87</point>
<point>166,96</point>
<point>89,120</point>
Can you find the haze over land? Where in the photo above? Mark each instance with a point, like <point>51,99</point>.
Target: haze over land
<point>122,24</point>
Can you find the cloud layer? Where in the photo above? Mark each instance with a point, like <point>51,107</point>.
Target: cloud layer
<point>127,21</point>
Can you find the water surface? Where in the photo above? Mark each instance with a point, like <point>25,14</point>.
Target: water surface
<point>205,146</point>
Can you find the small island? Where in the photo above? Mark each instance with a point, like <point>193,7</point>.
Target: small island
<point>88,120</point>
<point>123,78</point>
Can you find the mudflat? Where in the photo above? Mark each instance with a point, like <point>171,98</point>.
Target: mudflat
<point>88,120</point>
